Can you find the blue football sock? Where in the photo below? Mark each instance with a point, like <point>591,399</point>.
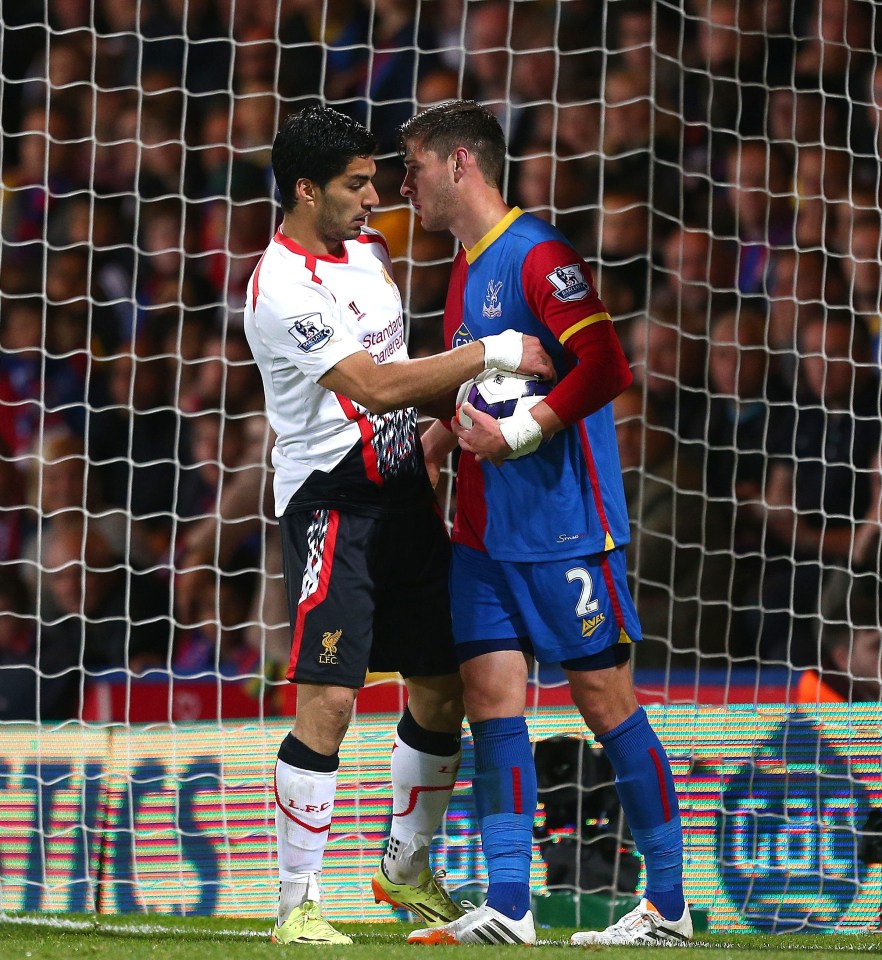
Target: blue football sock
<point>646,790</point>
<point>505,798</point>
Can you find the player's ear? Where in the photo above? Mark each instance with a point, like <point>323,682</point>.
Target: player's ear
<point>304,190</point>
<point>460,159</point>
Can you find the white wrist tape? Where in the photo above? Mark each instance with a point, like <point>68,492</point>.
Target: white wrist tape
<point>503,350</point>
<point>522,433</point>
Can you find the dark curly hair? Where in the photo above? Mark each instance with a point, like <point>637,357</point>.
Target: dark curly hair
<point>454,123</point>
<point>318,144</point>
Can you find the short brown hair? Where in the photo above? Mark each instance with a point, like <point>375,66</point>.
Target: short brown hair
<point>444,127</point>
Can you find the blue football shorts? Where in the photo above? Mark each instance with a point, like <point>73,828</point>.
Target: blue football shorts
<point>577,612</point>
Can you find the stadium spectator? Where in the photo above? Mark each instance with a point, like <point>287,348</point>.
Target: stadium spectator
<point>749,409</point>
<point>225,377</point>
<point>217,644</point>
<point>801,117</point>
<point>835,50</point>
<point>861,261</point>
<point>850,644</point>
<point>164,167</point>
<point>138,443</point>
<point>679,561</point>
<point>640,142</point>
<point>800,284</point>
<point>96,616</point>
<point>18,646</point>
<point>58,495</point>
<point>556,190</point>
<point>579,126</point>
<point>647,43</point>
<point>98,224</point>
<point>239,219</point>
<point>46,169</point>
<point>12,513</point>
<point>699,270</point>
<point>822,181</point>
<point>487,42</point>
<point>38,387</point>
<point>237,531</point>
<point>624,231</point>
<point>666,349</point>
<point>376,62</point>
<point>759,195</point>
<point>117,151</point>
<point>722,86</point>
<point>170,287</point>
<point>819,480</point>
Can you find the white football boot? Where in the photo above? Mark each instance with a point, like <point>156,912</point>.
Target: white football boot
<point>642,925</point>
<point>480,925</point>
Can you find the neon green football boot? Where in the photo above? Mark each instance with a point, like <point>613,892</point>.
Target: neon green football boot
<point>307,925</point>
<point>427,899</point>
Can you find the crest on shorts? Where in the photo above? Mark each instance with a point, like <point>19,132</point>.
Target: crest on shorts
<point>569,283</point>
<point>329,642</point>
<point>309,331</point>
<point>491,308</point>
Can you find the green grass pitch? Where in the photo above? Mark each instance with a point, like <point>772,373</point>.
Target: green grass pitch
<point>50,937</point>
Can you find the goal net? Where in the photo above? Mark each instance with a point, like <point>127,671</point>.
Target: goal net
<point>716,162</point>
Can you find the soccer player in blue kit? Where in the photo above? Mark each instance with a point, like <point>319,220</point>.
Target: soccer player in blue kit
<point>539,534</point>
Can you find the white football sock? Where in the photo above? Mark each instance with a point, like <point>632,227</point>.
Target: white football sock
<point>304,807</point>
<point>421,787</point>
<point>296,891</point>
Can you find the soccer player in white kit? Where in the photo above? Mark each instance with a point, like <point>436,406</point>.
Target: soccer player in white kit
<point>365,549</point>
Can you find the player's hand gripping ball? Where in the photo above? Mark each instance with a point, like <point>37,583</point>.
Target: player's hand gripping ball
<point>500,394</point>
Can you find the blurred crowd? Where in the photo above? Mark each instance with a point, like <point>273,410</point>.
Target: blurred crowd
<point>716,161</point>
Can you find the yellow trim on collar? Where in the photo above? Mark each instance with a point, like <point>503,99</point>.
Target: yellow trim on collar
<point>576,327</point>
<point>493,234</point>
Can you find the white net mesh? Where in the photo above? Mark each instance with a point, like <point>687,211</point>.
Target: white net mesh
<point>718,163</point>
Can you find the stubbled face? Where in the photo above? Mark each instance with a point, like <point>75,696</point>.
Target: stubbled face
<point>343,204</point>
<point>428,185</point>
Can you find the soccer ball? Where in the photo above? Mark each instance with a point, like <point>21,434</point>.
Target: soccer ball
<point>499,393</point>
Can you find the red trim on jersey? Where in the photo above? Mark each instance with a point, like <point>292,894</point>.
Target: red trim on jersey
<point>290,816</point>
<point>414,796</point>
<point>374,238</point>
<point>254,290</point>
<point>600,376</point>
<point>470,477</point>
<point>613,593</point>
<point>455,297</point>
<point>557,314</point>
<point>321,591</point>
<point>369,455</point>
<point>311,258</point>
<point>470,519</point>
<point>592,475</point>
<point>662,786</point>
<point>517,793</point>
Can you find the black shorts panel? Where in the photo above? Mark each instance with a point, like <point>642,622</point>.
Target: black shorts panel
<point>367,593</point>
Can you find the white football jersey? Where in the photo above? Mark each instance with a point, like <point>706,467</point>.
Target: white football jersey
<point>303,315</point>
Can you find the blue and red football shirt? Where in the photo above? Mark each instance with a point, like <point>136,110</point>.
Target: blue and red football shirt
<point>566,499</point>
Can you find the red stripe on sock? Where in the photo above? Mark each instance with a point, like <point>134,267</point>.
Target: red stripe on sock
<point>662,786</point>
<point>516,790</point>
<point>290,816</point>
<point>414,796</point>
